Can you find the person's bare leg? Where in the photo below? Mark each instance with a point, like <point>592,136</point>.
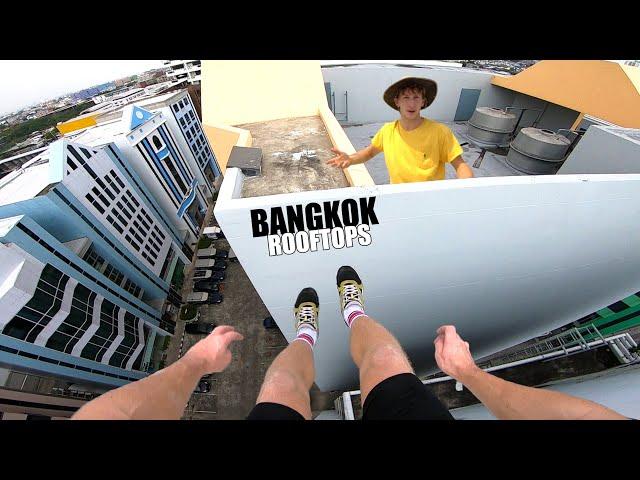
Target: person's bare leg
<point>374,350</point>
<point>377,354</point>
<point>290,376</point>
<point>289,379</point>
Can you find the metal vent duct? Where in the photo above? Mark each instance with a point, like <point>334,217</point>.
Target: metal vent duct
<point>538,151</point>
<point>491,125</point>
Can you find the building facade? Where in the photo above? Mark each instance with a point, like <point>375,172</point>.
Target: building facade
<point>164,143</point>
<point>87,261</point>
<point>184,70</point>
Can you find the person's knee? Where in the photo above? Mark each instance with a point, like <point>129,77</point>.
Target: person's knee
<point>281,382</point>
<point>387,357</point>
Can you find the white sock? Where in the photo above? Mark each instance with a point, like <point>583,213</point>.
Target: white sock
<point>352,311</point>
<point>307,334</point>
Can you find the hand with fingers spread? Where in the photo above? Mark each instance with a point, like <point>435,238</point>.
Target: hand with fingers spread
<point>342,160</point>
<point>452,353</point>
<point>212,354</point>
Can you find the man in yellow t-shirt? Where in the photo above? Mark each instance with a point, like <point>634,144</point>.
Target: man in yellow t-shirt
<point>415,148</point>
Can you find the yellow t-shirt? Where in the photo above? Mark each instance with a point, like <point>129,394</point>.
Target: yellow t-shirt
<point>417,155</point>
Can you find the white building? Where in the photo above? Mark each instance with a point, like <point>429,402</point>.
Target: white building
<point>184,70</point>
<point>163,141</point>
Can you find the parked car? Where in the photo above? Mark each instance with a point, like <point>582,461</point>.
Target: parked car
<point>202,387</point>
<point>269,322</point>
<point>206,286</point>
<point>216,276</point>
<point>198,328</point>
<point>211,263</point>
<point>202,274</point>
<point>213,275</point>
<point>212,252</point>
<point>213,233</point>
<point>204,298</point>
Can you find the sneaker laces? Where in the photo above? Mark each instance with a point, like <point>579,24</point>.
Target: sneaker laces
<point>351,292</point>
<point>307,315</point>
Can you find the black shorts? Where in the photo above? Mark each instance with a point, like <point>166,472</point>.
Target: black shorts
<point>401,397</point>
<point>273,411</point>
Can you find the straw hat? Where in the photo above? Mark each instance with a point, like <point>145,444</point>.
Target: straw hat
<point>430,86</point>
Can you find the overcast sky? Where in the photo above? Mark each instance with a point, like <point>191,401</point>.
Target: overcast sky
<point>23,82</point>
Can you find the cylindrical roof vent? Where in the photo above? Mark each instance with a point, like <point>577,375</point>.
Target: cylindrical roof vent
<point>538,151</point>
<point>490,125</point>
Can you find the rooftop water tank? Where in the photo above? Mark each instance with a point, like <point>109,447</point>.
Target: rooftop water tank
<point>491,125</point>
<point>538,151</point>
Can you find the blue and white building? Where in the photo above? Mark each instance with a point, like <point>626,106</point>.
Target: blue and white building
<point>87,262</point>
<point>163,141</point>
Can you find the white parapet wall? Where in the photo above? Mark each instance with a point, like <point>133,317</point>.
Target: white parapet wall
<point>365,84</point>
<point>503,259</point>
<point>605,150</point>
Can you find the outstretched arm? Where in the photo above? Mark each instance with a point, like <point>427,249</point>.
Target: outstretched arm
<point>164,394</point>
<point>508,400</point>
<point>344,160</point>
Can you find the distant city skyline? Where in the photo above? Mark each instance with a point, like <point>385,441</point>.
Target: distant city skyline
<point>27,82</point>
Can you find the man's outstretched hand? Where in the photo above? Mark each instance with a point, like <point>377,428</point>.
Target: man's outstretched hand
<point>211,354</point>
<point>342,159</point>
<point>452,353</point>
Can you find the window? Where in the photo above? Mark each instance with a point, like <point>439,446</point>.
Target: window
<point>176,107</point>
<point>189,137</point>
<point>182,122</point>
<point>71,163</point>
<point>119,217</point>
<point>193,117</point>
<point>138,237</point>
<point>111,181</point>
<point>131,287</point>
<point>37,313</point>
<point>112,273</point>
<point>193,130</point>
<point>100,196</point>
<point>94,203</point>
<point>157,143</point>
<point>86,152</point>
<point>174,174</point>
<point>114,223</point>
<point>93,259</point>
<point>154,244</point>
<point>146,225</point>
<point>123,210</point>
<point>111,195</point>
<point>133,244</point>
<point>132,198</point>
<point>128,204</point>
<point>157,230</point>
<point>115,177</point>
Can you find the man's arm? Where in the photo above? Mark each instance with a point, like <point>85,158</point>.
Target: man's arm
<point>507,400</point>
<point>462,169</point>
<point>164,394</point>
<point>344,160</point>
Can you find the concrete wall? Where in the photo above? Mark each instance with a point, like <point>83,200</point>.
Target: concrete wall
<point>553,116</point>
<point>504,259</point>
<point>365,85</point>
<point>236,92</point>
<point>605,150</point>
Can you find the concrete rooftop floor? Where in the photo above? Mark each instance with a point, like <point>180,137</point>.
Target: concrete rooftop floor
<point>294,155</point>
